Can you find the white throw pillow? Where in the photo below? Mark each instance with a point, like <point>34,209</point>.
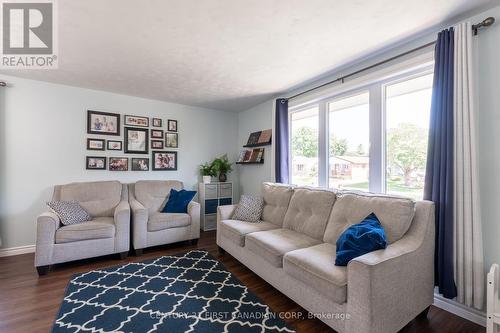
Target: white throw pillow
<point>249,209</point>
<point>69,212</point>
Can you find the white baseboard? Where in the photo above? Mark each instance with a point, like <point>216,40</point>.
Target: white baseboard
<point>14,251</point>
<point>460,310</point>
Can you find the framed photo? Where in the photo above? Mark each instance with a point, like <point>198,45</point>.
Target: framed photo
<point>118,164</point>
<point>95,144</point>
<point>103,123</point>
<point>156,144</point>
<point>172,125</point>
<point>114,145</point>
<point>96,163</point>
<point>164,160</point>
<point>136,121</point>
<point>157,134</point>
<point>171,140</point>
<point>136,140</point>
<point>157,122</point>
<point>140,164</point>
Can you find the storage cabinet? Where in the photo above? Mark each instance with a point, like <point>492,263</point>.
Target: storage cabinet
<point>211,196</point>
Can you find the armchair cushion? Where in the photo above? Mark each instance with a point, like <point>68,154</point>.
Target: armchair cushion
<point>69,212</point>
<point>161,221</point>
<point>97,228</point>
<point>178,201</point>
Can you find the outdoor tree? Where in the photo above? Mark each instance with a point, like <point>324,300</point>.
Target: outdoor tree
<point>305,142</point>
<point>407,149</point>
<point>338,147</point>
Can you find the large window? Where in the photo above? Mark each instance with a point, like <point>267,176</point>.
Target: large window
<point>373,138</point>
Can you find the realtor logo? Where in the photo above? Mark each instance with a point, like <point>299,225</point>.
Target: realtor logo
<point>28,35</point>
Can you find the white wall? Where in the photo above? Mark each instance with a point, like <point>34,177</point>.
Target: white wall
<point>43,142</point>
<point>488,76</point>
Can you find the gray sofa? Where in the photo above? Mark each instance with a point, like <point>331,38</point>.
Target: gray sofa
<point>293,249</point>
<point>149,226</point>
<point>108,232</point>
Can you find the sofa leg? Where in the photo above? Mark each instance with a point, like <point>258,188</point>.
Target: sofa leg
<point>138,252</point>
<point>123,255</point>
<point>221,250</point>
<point>423,314</point>
<point>42,270</point>
<point>194,241</point>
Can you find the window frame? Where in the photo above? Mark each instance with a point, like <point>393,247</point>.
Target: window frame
<point>377,123</point>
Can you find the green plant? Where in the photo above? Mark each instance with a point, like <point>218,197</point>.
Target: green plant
<point>207,170</point>
<point>222,165</point>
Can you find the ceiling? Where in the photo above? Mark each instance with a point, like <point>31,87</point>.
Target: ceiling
<point>226,54</point>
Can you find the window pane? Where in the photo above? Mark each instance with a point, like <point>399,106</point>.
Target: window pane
<point>304,129</point>
<point>408,106</point>
<point>349,142</point>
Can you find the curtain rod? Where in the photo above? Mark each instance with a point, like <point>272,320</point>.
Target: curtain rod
<point>484,24</point>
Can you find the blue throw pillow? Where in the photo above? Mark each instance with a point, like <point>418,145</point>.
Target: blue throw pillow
<point>359,239</point>
<point>178,201</point>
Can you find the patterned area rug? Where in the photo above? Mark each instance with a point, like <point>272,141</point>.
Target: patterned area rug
<point>190,292</point>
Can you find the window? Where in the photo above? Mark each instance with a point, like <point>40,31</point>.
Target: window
<point>372,138</point>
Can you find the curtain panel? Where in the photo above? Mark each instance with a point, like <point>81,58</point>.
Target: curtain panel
<point>281,171</point>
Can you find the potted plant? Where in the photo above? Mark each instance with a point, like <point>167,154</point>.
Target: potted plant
<point>222,166</point>
<point>207,171</point>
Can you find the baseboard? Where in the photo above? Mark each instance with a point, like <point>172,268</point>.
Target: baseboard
<point>460,310</point>
<point>14,251</point>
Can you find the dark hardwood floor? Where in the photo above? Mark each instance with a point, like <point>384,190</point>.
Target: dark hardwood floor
<point>29,303</point>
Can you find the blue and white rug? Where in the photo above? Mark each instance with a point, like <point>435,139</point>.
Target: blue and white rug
<point>190,292</point>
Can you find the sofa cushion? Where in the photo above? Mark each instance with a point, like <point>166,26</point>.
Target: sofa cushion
<point>395,214</point>
<point>97,198</point>
<point>236,230</point>
<point>276,199</point>
<point>97,228</point>
<point>153,194</point>
<point>161,221</point>
<point>315,267</point>
<point>309,210</point>
<point>272,245</point>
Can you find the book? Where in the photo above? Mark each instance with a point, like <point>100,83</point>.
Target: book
<point>253,156</point>
<point>248,153</point>
<point>260,154</point>
<point>241,157</point>
<point>253,138</point>
<point>265,136</point>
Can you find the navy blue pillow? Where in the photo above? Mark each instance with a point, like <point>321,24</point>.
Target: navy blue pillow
<point>178,201</point>
<point>359,239</point>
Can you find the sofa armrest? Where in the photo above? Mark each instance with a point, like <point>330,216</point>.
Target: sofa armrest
<point>388,288</point>
<point>122,225</point>
<point>225,212</point>
<point>47,224</point>
<point>140,217</point>
<point>194,210</point>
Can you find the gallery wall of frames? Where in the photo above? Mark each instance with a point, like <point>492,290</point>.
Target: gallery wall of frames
<point>127,142</point>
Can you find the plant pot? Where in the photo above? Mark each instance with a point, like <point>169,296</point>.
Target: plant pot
<point>222,177</point>
<point>207,179</point>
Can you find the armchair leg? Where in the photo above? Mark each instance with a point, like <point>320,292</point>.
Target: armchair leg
<point>221,250</point>
<point>138,252</point>
<point>42,270</point>
<point>423,314</point>
<point>194,241</point>
<point>123,255</point>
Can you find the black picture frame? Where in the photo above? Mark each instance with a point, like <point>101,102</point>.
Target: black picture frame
<point>172,125</point>
<point>88,159</point>
<point>108,147</point>
<point>95,127</point>
<point>171,140</point>
<point>128,121</point>
<point>102,141</point>
<point>131,150</point>
<point>160,142</point>
<point>112,167</point>
<point>156,134</point>
<point>136,166</point>
<point>160,168</point>
<point>157,122</point>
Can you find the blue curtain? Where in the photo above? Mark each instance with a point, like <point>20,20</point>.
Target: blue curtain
<point>439,170</point>
<point>281,141</point>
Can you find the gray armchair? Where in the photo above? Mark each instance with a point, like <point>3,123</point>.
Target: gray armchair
<point>150,227</point>
<point>108,232</point>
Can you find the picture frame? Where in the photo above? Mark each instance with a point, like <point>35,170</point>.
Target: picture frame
<point>157,144</point>
<point>103,123</point>
<point>164,160</point>
<point>118,164</point>
<point>136,140</point>
<point>140,164</point>
<point>136,121</point>
<point>156,134</point>
<point>95,163</point>
<point>171,140</point>
<point>157,122</point>
<point>96,144</point>
<point>172,125</point>
<point>114,145</point>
